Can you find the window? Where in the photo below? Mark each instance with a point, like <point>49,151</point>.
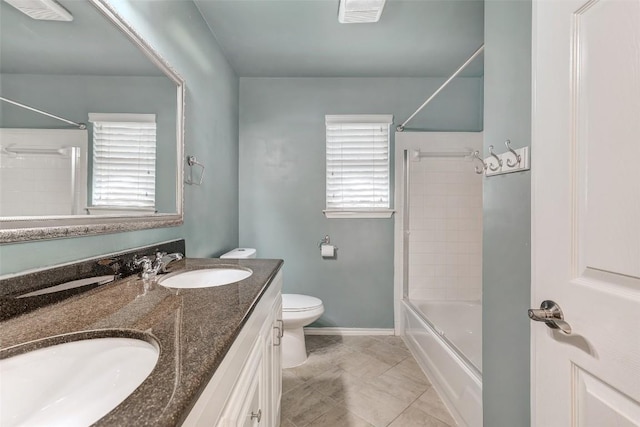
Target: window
<point>358,166</point>
<point>124,160</point>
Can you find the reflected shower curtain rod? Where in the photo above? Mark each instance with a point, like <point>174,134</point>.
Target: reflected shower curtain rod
<point>400,128</point>
<point>419,154</point>
<point>44,113</point>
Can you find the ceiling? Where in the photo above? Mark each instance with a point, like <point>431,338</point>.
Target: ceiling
<point>88,45</point>
<point>263,38</point>
<point>303,38</point>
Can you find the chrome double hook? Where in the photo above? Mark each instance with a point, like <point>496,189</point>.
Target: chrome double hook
<point>498,159</point>
<point>476,156</point>
<point>516,155</point>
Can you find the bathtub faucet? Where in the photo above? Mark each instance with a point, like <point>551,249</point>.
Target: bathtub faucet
<point>150,268</point>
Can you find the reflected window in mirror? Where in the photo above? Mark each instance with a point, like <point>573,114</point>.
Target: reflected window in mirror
<point>124,163</point>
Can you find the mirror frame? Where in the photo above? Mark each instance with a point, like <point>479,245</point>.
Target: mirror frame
<point>21,229</point>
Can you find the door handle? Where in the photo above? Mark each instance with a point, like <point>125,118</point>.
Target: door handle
<point>550,313</point>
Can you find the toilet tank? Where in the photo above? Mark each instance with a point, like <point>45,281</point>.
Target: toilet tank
<point>240,253</point>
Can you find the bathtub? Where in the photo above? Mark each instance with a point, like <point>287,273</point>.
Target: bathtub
<point>450,352</point>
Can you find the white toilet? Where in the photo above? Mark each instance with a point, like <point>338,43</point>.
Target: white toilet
<point>240,253</point>
<point>298,311</point>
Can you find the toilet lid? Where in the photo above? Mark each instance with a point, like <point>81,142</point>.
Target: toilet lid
<point>297,302</point>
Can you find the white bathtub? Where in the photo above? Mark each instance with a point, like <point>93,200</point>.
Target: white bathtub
<point>454,372</point>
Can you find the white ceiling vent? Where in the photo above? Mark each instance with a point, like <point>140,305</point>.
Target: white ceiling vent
<point>47,10</point>
<point>360,11</point>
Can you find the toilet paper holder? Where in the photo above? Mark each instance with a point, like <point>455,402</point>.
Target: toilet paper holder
<point>326,240</point>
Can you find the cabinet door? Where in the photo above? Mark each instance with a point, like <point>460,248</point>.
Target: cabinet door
<point>276,362</point>
<point>253,409</point>
<point>245,406</point>
<point>272,365</point>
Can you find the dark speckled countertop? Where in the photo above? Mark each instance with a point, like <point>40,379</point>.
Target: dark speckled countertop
<point>193,327</point>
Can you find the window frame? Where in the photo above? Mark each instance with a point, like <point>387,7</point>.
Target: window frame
<point>367,212</point>
<point>124,118</point>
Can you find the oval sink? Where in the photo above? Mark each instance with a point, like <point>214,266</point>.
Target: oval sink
<point>73,383</point>
<point>205,278</point>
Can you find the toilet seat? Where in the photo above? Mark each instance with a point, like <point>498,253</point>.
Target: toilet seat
<point>295,303</point>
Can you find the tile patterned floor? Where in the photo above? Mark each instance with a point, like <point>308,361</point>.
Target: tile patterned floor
<point>360,381</point>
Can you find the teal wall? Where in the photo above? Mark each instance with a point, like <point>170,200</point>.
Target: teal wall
<point>507,217</point>
<point>178,32</point>
<point>282,183</point>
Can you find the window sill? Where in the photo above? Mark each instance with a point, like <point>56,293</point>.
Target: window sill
<point>382,213</point>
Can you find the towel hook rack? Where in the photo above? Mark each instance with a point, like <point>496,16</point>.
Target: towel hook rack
<point>476,156</point>
<point>492,167</point>
<point>192,161</point>
<point>517,156</point>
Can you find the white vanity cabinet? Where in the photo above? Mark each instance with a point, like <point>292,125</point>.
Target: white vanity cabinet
<point>246,388</point>
<point>273,364</point>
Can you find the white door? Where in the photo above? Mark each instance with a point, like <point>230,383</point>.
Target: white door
<point>586,211</point>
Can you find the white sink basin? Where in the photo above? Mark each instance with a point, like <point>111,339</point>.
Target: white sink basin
<point>74,383</point>
<point>205,278</point>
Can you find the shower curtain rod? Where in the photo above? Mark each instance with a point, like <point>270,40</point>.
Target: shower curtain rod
<point>44,113</point>
<point>400,128</point>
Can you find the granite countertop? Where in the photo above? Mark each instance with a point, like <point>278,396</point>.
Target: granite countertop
<point>193,327</point>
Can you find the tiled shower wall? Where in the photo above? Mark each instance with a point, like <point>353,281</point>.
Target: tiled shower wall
<point>43,172</point>
<point>36,184</point>
<point>445,222</point>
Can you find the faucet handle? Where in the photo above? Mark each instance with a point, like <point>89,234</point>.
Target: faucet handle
<point>144,261</point>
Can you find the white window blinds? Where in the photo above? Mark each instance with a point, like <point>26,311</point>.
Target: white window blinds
<point>358,162</point>
<point>124,160</point>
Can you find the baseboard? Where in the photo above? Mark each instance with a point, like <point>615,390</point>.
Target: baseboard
<point>348,331</point>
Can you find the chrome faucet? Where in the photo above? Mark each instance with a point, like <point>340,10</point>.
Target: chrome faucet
<point>150,268</point>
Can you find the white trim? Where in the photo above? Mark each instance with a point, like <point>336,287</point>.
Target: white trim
<point>348,331</point>
<point>359,118</point>
<point>382,213</point>
<point>122,117</point>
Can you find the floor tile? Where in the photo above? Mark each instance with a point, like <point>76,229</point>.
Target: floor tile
<point>363,366</point>
<point>312,367</point>
<point>359,381</point>
<point>340,417</point>
<point>358,341</point>
<point>392,340</point>
<point>404,388</point>
<point>290,380</point>
<point>333,352</point>
<point>431,403</point>
<point>413,417</point>
<point>375,406</point>
<point>304,404</point>
<point>408,372</point>
<point>287,423</point>
<point>409,368</point>
<point>336,384</point>
<point>314,342</point>
<point>386,353</point>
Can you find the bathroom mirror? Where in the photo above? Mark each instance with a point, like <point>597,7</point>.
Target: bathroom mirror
<point>88,67</point>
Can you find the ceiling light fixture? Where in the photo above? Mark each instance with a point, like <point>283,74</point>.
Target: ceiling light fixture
<point>360,11</point>
<point>46,10</point>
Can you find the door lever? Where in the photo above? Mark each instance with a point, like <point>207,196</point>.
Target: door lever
<point>550,313</point>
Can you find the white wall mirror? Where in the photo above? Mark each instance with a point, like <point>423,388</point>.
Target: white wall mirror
<point>86,66</point>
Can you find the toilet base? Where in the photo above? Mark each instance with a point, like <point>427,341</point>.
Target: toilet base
<point>294,349</point>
